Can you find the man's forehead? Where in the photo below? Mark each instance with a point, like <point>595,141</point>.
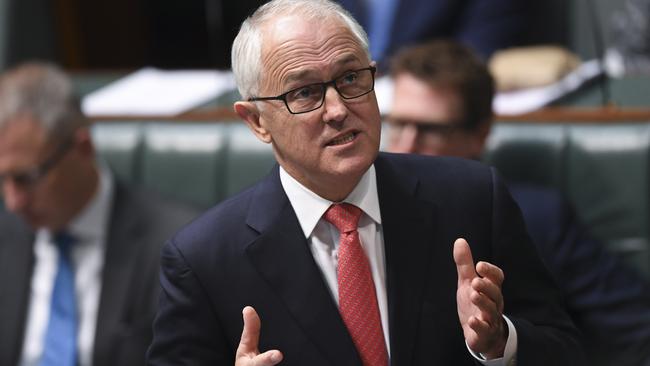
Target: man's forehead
<point>310,29</point>
<point>341,61</point>
<point>296,47</point>
<point>23,132</point>
<point>421,101</point>
<point>288,26</point>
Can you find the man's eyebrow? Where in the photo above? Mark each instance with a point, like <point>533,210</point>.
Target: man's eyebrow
<point>346,60</point>
<point>297,75</point>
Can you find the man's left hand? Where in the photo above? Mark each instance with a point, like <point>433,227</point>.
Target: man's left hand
<point>480,303</point>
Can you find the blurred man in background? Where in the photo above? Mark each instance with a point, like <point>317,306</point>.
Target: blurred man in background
<point>79,252</point>
<point>484,25</point>
<point>442,105</point>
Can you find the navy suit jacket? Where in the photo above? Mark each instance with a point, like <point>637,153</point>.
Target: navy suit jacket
<point>250,250</point>
<point>485,25</point>
<point>608,302</point>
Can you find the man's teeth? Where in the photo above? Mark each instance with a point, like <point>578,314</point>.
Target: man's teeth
<point>343,140</point>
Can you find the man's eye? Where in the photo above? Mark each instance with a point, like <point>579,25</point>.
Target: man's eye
<point>303,93</point>
<point>349,78</point>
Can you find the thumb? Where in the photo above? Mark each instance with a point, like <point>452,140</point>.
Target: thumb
<point>250,336</point>
<point>464,260</point>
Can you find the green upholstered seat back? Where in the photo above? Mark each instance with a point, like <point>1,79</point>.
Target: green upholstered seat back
<point>529,153</point>
<point>248,159</point>
<point>601,169</point>
<point>608,183</point>
<point>185,161</point>
<point>119,145</point>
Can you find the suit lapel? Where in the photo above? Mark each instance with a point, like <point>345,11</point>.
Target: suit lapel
<point>16,265</point>
<point>118,274</point>
<point>408,238</point>
<point>281,255</point>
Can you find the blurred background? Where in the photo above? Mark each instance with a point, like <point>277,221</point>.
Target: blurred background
<point>129,34</point>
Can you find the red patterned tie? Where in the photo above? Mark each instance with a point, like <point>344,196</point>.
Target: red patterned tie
<point>357,296</point>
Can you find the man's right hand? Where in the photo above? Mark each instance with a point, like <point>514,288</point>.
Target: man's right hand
<point>247,353</point>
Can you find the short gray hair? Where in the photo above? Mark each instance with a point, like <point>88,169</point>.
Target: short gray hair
<point>247,46</point>
<point>43,92</point>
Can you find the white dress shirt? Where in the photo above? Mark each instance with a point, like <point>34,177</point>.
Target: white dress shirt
<point>323,239</point>
<point>89,228</point>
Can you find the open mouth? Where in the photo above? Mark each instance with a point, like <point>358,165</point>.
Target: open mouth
<point>343,139</point>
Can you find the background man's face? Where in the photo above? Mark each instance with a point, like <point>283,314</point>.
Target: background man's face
<point>427,120</point>
<point>338,141</point>
<point>24,146</point>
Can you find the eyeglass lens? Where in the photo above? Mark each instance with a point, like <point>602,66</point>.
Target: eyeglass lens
<point>353,84</point>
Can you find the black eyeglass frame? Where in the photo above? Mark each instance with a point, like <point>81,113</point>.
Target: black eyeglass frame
<point>323,85</point>
<point>433,127</point>
<point>32,176</point>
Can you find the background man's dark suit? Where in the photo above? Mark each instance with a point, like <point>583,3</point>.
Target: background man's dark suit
<point>486,25</point>
<point>140,223</point>
<point>250,250</point>
<point>591,279</point>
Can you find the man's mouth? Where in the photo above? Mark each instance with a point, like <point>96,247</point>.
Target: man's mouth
<point>343,139</point>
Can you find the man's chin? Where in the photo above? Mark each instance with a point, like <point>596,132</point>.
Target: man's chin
<point>354,166</point>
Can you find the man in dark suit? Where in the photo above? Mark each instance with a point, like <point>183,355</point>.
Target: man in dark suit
<point>51,185</point>
<point>442,106</point>
<point>341,255</point>
<point>485,25</point>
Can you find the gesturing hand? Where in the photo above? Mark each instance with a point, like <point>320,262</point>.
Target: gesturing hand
<point>480,303</point>
<point>248,353</point>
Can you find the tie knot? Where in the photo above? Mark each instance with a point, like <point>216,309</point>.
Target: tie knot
<point>64,241</point>
<point>344,216</point>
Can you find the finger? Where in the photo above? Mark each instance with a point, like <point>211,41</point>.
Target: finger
<point>486,309</point>
<point>268,358</point>
<point>464,260</point>
<point>488,289</point>
<point>489,270</point>
<point>475,334</point>
<point>251,334</point>
<point>479,326</point>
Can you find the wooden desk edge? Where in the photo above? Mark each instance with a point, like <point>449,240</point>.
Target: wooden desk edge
<point>546,115</point>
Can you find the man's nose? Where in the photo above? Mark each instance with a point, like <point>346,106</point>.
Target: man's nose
<point>335,108</point>
<point>406,139</point>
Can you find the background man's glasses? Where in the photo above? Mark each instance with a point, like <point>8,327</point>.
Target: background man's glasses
<point>428,128</point>
<point>307,98</point>
<point>31,177</point>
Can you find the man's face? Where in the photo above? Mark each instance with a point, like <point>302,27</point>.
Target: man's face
<point>429,121</point>
<point>327,149</point>
<point>45,201</point>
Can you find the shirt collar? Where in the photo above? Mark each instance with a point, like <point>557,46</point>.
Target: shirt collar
<point>310,207</point>
<point>92,220</point>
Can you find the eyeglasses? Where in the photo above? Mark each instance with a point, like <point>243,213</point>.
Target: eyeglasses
<point>31,177</point>
<point>429,128</point>
<point>307,98</point>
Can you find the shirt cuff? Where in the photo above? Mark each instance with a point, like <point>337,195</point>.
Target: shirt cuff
<point>509,353</point>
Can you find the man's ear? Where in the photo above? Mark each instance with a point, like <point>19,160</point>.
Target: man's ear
<point>249,112</point>
<point>83,142</point>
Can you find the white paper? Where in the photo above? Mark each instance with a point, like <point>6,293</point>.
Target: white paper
<point>528,100</point>
<point>384,93</point>
<point>154,92</point>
